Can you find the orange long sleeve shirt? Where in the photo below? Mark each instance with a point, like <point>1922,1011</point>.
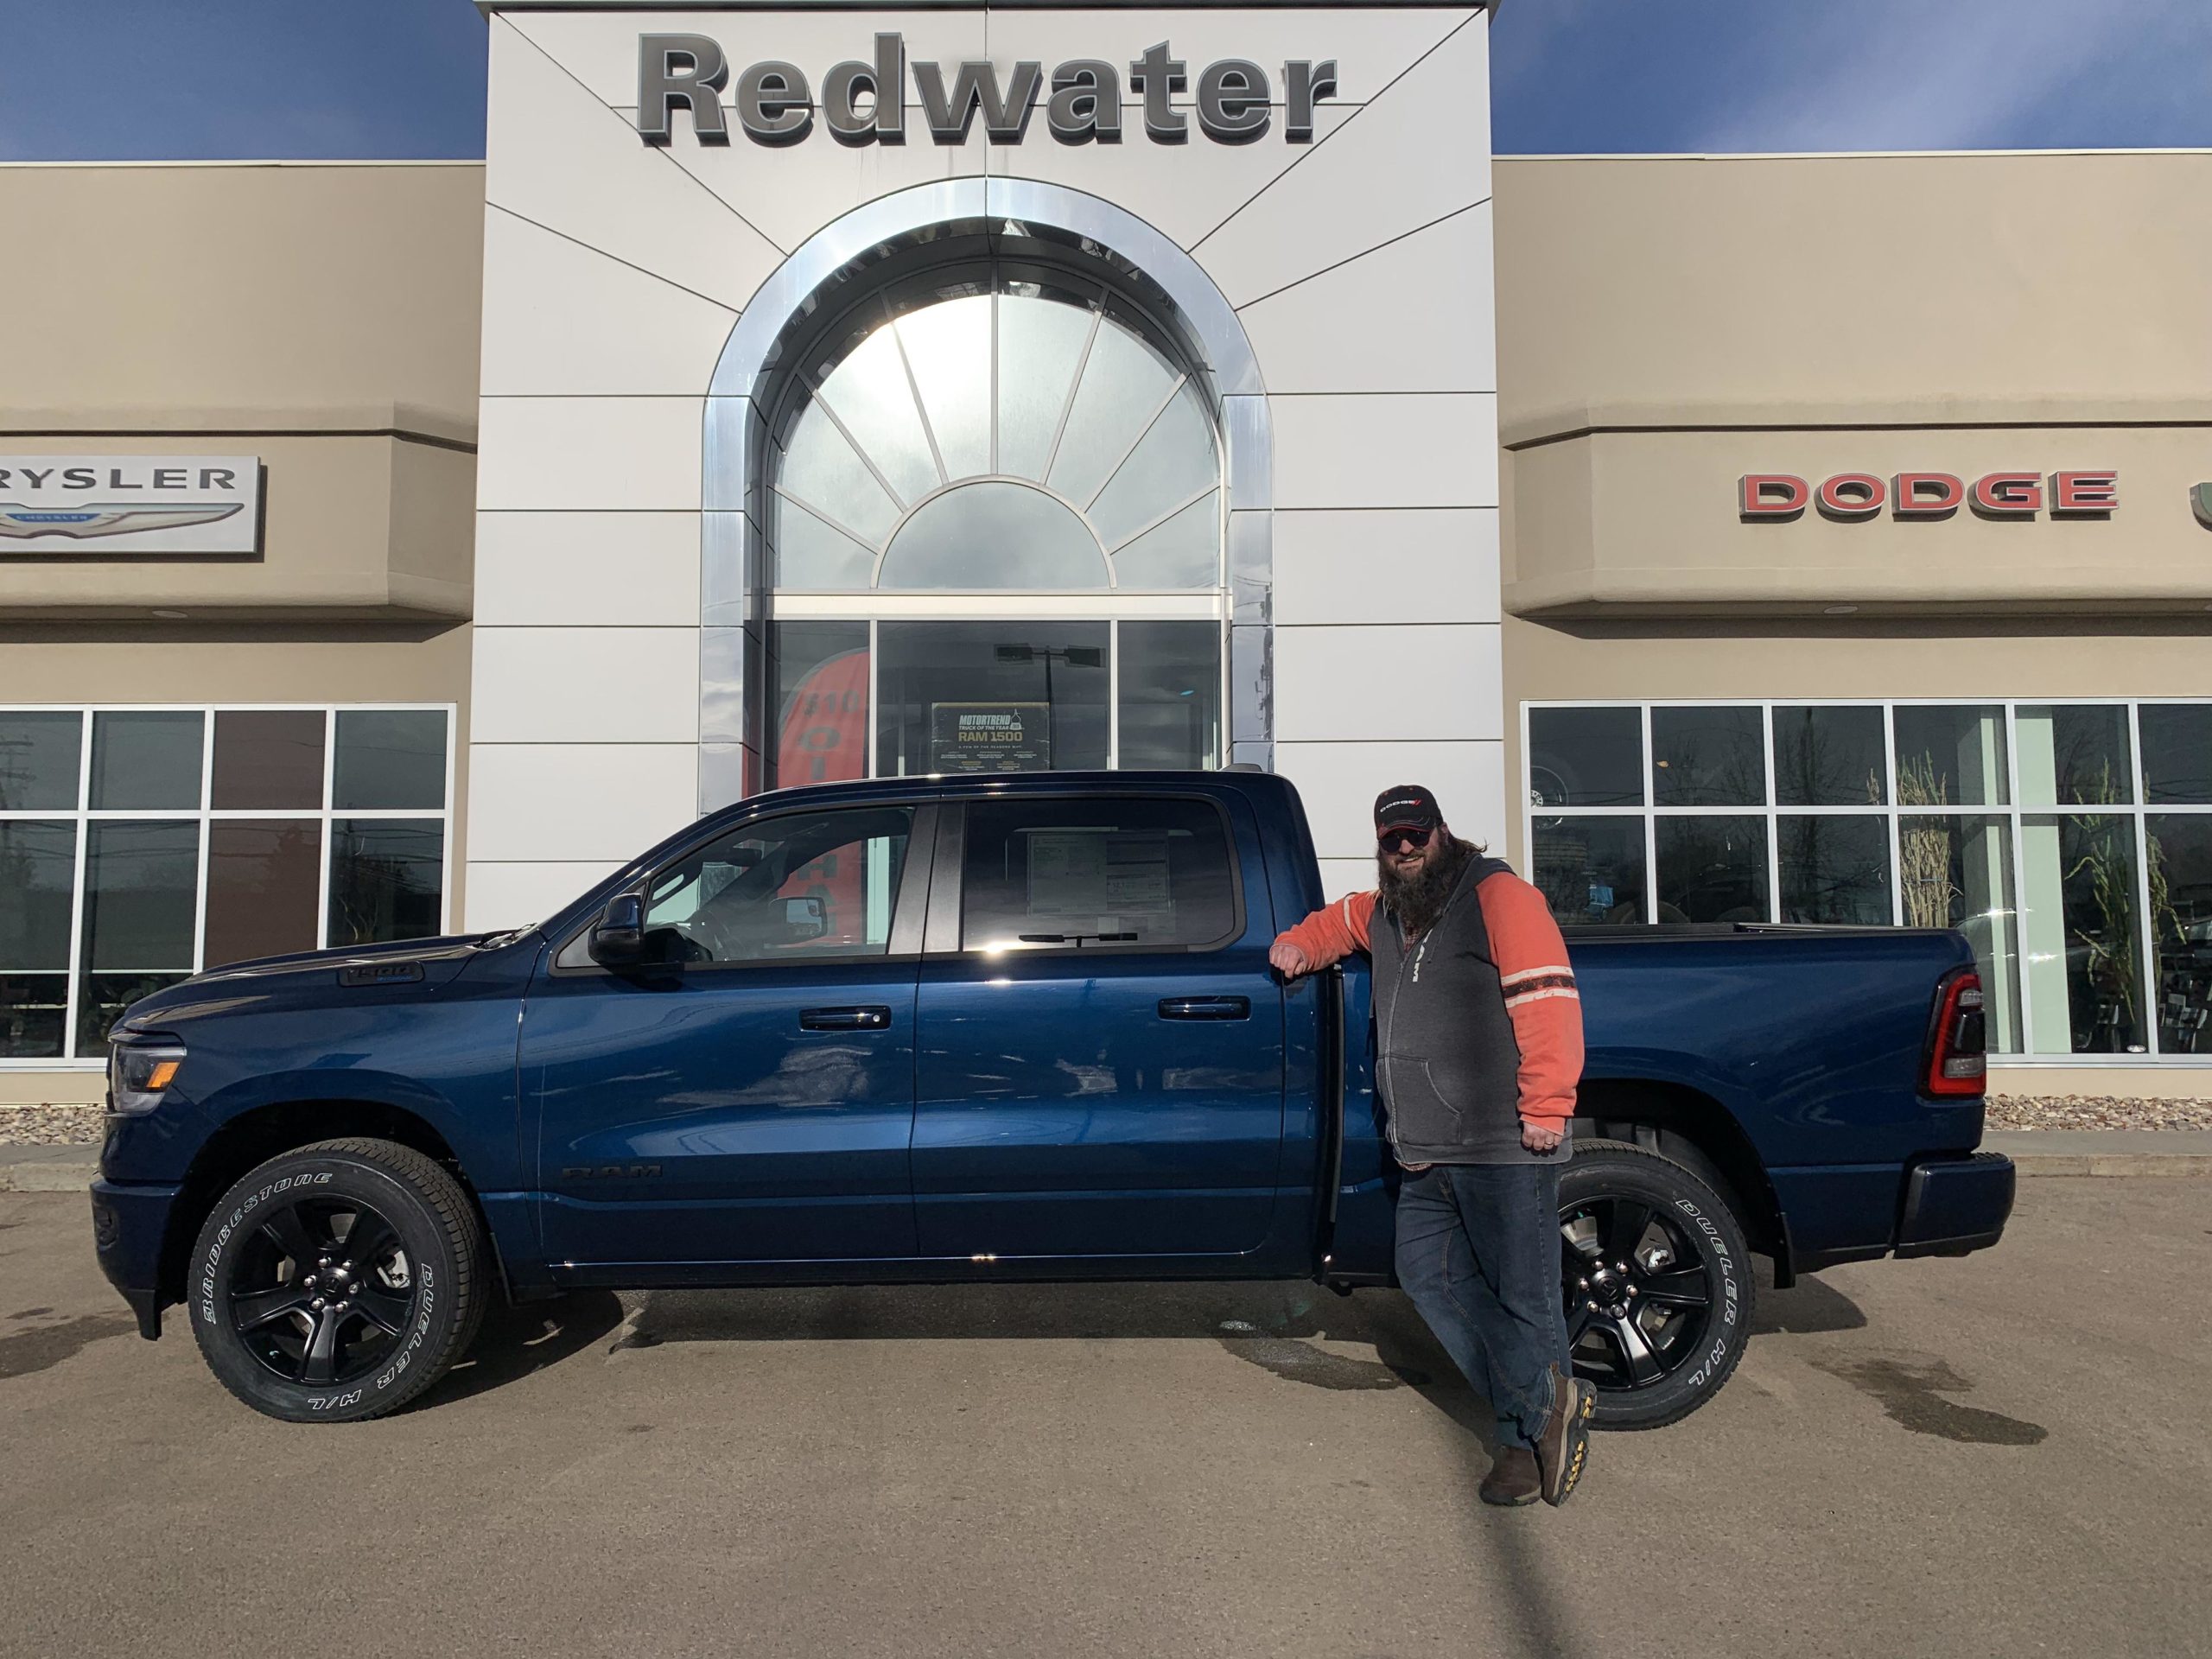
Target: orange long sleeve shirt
<point>1532,966</point>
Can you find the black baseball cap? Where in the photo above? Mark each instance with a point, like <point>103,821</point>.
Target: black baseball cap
<point>1407,807</point>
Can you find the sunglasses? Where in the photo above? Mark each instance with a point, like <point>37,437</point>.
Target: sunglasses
<point>1403,839</point>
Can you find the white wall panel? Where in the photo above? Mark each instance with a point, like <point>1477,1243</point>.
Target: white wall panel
<point>1371,46</point>
<point>588,570</point>
<point>515,895</point>
<point>557,155</point>
<point>1365,684</point>
<point>586,685</point>
<point>791,193</point>
<point>600,48</point>
<point>1435,564</point>
<point>566,803</point>
<point>1338,783</point>
<point>1418,152</point>
<point>1182,193</point>
<point>547,330</point>
<point>1364,449</point>
<point>569,453</point>
<point>1413,316</point>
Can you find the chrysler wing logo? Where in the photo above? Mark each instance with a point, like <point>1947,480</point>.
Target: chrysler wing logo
<point>81,523</point>
<point>2201,498</point>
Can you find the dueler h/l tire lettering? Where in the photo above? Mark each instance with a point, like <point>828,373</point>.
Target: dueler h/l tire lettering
<point>336,1282</point>
<point>1656,1280</point>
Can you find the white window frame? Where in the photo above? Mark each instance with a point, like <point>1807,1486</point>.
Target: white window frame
<point>2136,811</point>
<point>84,815</point>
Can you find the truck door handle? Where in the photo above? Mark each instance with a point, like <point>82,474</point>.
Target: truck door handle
<point>870,1018</point>
<point>1206,1008</point>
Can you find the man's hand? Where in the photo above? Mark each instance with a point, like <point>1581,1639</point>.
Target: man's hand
<point>1537,1138</point>
<point>1288,960</point>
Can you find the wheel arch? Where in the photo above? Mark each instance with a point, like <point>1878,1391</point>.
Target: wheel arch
<point>255,1136</point>
<point>1699,1132</point>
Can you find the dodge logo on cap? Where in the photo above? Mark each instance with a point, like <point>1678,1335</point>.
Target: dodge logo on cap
<point>1407,807</point>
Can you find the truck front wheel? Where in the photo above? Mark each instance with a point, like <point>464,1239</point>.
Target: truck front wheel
<point>1656,1278</point>
<point>336,1282</point>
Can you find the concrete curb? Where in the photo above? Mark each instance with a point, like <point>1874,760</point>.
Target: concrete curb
<point>2105,1152</point>
<point>47,1169</point>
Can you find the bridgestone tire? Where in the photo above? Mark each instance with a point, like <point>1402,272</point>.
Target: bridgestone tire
<point>437,1230</point>
<point>1690,1211</point>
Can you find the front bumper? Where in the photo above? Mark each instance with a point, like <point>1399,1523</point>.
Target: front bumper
<point>1954,1205</point>
<point>130,1224</point>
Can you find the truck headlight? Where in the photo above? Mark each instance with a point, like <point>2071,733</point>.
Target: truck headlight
<point>139,1074</point>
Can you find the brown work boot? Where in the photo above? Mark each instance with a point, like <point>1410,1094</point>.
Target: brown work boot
<point>1563,1446</point>
<point>1512,1480</point>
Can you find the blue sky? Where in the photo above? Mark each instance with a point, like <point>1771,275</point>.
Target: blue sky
<point>404,78</point>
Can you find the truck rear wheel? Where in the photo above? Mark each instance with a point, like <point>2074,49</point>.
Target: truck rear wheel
<point>336,1282</point>
<point>1655,1277</point>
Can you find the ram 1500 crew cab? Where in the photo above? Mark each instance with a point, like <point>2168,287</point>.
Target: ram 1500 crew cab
<point>995,1028</point>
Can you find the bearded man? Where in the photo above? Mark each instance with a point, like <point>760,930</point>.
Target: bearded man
<point>1478,1048</point>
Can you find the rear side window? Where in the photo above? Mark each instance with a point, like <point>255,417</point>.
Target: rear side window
<point>1097,875</point>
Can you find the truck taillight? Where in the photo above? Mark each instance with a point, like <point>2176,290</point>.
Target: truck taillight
<point>1958,1052</point>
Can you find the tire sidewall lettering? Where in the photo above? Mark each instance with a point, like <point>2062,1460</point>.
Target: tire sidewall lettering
<point>211,1264</point>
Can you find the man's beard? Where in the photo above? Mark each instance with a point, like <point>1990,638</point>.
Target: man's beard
<point>1418,900</point>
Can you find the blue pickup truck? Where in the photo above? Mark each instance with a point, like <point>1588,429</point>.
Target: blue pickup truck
<point>995,1028</point>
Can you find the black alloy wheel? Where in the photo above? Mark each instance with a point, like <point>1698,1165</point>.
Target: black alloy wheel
<point>336,1282</point>
<point>1655,1282</point>
<point>322,1290</point>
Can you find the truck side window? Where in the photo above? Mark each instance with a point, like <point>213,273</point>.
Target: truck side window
<point>1068,874</point>
<point>808,885</point>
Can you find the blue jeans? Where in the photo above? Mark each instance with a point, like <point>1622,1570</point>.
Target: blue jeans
<point>1478,1251</point>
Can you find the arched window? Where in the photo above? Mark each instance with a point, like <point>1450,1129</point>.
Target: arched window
<point>993,430</point>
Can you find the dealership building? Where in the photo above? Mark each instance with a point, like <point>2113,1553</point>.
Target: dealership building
<point>813,393</point>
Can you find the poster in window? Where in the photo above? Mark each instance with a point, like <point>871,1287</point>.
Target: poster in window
<point>990,737</point>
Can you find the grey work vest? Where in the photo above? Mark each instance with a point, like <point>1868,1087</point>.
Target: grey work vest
<point>1446,1058</point>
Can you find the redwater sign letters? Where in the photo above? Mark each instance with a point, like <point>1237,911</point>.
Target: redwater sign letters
<point>864,102</point>
<point>1851,497</point>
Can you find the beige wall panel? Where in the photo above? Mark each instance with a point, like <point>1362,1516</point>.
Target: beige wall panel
<point>352,524</point>
<point>262,288</point>
<point>589,569</point>
<point>559,158</point>
<point>584,454</point>
<point>1931,287</point>
<point>790,194</point>
<point>1652,519</point>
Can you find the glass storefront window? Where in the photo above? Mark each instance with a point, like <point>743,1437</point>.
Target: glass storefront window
<point>116,878</point>
<point>38,870</point>
<point>990,696</point>
<point>2180,880</point>
<point>818,682</point>
<point>38,760</point>
<point>1950,754</point>
<point>1585,757</point>
<point>1835,869</point>
<point>1590,870</point>
<point>1170,695</point>
<point>1829,756</point>
<point>1712,868</point>
<point>2177,752</point>
<point>2070,842</point>
<point>1708,757</point>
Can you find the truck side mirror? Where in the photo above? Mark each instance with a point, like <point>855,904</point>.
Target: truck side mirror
<point>805,918</point>
<point>618,937</point>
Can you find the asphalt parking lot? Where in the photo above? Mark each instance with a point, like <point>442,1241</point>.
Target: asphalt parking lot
<point>2007,1454</point>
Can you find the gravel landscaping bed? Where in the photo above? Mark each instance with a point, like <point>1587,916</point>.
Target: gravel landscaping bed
<point>2095,1112</point>
<point>51,1126</point>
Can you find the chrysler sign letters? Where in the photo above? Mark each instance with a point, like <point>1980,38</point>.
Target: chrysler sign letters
<point>1850,497</point>
<point>865,102</point>
<point>56,506</point>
